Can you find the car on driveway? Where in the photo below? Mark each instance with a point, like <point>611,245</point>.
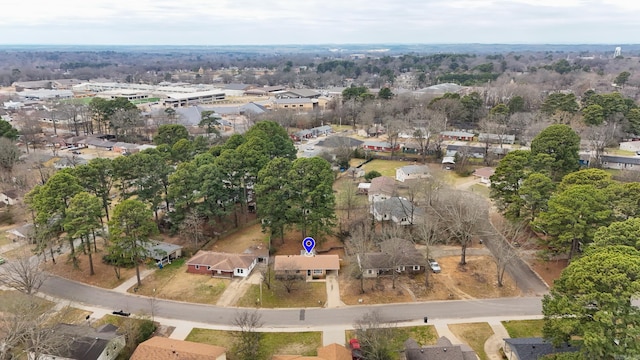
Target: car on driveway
<point>356,351</point>
<point>435,267</point>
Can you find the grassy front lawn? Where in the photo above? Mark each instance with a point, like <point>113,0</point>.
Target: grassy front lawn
<point>385,167</point>
<point>10,298</point>
<point>174,283</point>
<point>474,334</point>
<point>304,294</point>
<point>524,328</point>
<point>281,343</point>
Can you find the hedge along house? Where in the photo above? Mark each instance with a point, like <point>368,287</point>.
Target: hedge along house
<point>222,264</point>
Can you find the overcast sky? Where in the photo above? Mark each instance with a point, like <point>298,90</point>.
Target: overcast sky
<point>240,22</point>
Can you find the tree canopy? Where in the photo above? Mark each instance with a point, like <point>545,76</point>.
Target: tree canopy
<point>562,144</point>
<point>591,301</point>
<point>8,131</point>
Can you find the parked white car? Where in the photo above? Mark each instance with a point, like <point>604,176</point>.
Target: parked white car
<point>435,267</point>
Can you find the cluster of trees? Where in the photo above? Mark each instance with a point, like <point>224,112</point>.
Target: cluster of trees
<point>198,184</point>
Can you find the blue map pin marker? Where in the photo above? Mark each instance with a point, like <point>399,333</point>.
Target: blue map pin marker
<point>308,243</point>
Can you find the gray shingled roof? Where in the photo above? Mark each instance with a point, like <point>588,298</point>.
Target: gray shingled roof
<point>536,348</point>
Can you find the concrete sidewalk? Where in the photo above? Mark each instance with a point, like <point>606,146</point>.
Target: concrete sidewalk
<point>122,288</point>
<point>333,292</point>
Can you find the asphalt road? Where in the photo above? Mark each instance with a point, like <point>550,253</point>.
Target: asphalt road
<point>282,318</point>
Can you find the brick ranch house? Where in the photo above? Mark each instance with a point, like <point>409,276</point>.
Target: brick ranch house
<point>224,265</point>
<point>306,267</point>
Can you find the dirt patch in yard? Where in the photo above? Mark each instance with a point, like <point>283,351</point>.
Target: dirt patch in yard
<point>239,240</point>
<point>549,270</point>
<point>104,277</point>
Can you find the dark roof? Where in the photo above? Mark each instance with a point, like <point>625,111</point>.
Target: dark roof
<point>620,159</point>
<point>397,207</point>
<point>85,342</point>
<point>338,141</point>
<point>442,350</point>
<point>381,260</point>
<point>535,348</point>
<point>237,87</point>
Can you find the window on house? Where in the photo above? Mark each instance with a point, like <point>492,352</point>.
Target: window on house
<point>240,271</point>
<point>404,219</point>
<point>370,271</point>
<point>416,267</point>
<point>197,267</point>
<point>317,272</point>
<point>208,267</point>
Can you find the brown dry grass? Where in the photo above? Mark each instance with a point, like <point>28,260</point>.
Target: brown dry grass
<point>104,277</point>
<point>474,334</point>
<point>240,240</point>
<point>549,270</point>
<point>174,283</point>
<point>475,280</point>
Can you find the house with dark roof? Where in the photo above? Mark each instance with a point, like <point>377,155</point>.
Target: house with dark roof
<point>457,135</point>
<point>224,265</point>
<point>409,260</point>
<point>69,162</point>
<point>399,210</point>
<point>442,350</point>
<point>161,348</point>
<point>297,94</point>
<point>87,343</point>
<point>620,162</point>
<point>24,232</point>
<point>533,348</point>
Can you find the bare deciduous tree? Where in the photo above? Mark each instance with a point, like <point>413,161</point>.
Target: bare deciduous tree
<point>463,215</point>
<point>247,345</point>
<point>375,335</point>
<point>359,243</point>
<point>191,227</point>
<point>499,238</point>
<point>289,275</point>
<point>23,274</point>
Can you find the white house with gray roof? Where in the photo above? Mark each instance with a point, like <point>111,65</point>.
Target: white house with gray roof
<point>412,172</point>
<point>399,210</point>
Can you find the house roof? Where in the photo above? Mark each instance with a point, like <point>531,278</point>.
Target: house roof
<point>302,262</point>
<point>536,348</point>
<point>329,352</point>
<point>13,194</point>
<point>484,172</point>
<point>442,350</point>
<point>85,342</point>
<point>382,185</point>
<point>236,86</point>
<point>397,207</point>
<point>23,231</point>
<point>457,133</point>
<point>415,169</point>
<point>293,101</point>
<point>160,348</point>
<point>189,116</point>
<point>448,160</point>
<point>620,159</point>
<point>303,93</point>
<point>338,141</point>
<point>408,256</point>
<point>382,144</point>
<point>221,261</point>
<point>159,249</point>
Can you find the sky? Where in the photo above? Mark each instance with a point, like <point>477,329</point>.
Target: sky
<point>266,22</point>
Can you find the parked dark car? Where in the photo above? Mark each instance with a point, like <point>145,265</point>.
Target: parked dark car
<point>121,313</point>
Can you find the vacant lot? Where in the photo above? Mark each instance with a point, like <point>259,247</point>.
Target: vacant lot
<point>239,240</point>
<point>282,343</point>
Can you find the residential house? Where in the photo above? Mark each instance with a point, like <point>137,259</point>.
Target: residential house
<point>496,138</point>
<point>298,104</point>
<point>83,342</point>
<point>306,267</point>
<point>9,197</point>
<point>339,141</point>
<point>484,174</point>
<point>162,252</point>
<point>630,146</point>
<point>442,350</point>
<point>302,134</point>
<point>448,162</point>
<point>533,348</point>
<point>381,146</point>
<point>296,94</point>
<point>620,162</point>
<point>322,130</point>
<point>329,352</point>
<point>222,264</point>
<point>382,188</point>
<point>399,210</point>
<point>363,188</point>
<point>260,251</point>
<point>411,148</point>
<point>404,258</point>
<point>93,143</point>
<point>69,162</point>
<point>161,348</point>
<point>457,135</point>
<point>125,148</point>
<point>411,172</point>
<point>24,232</point>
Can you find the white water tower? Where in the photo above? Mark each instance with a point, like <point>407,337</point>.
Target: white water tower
<point>618,52</point>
